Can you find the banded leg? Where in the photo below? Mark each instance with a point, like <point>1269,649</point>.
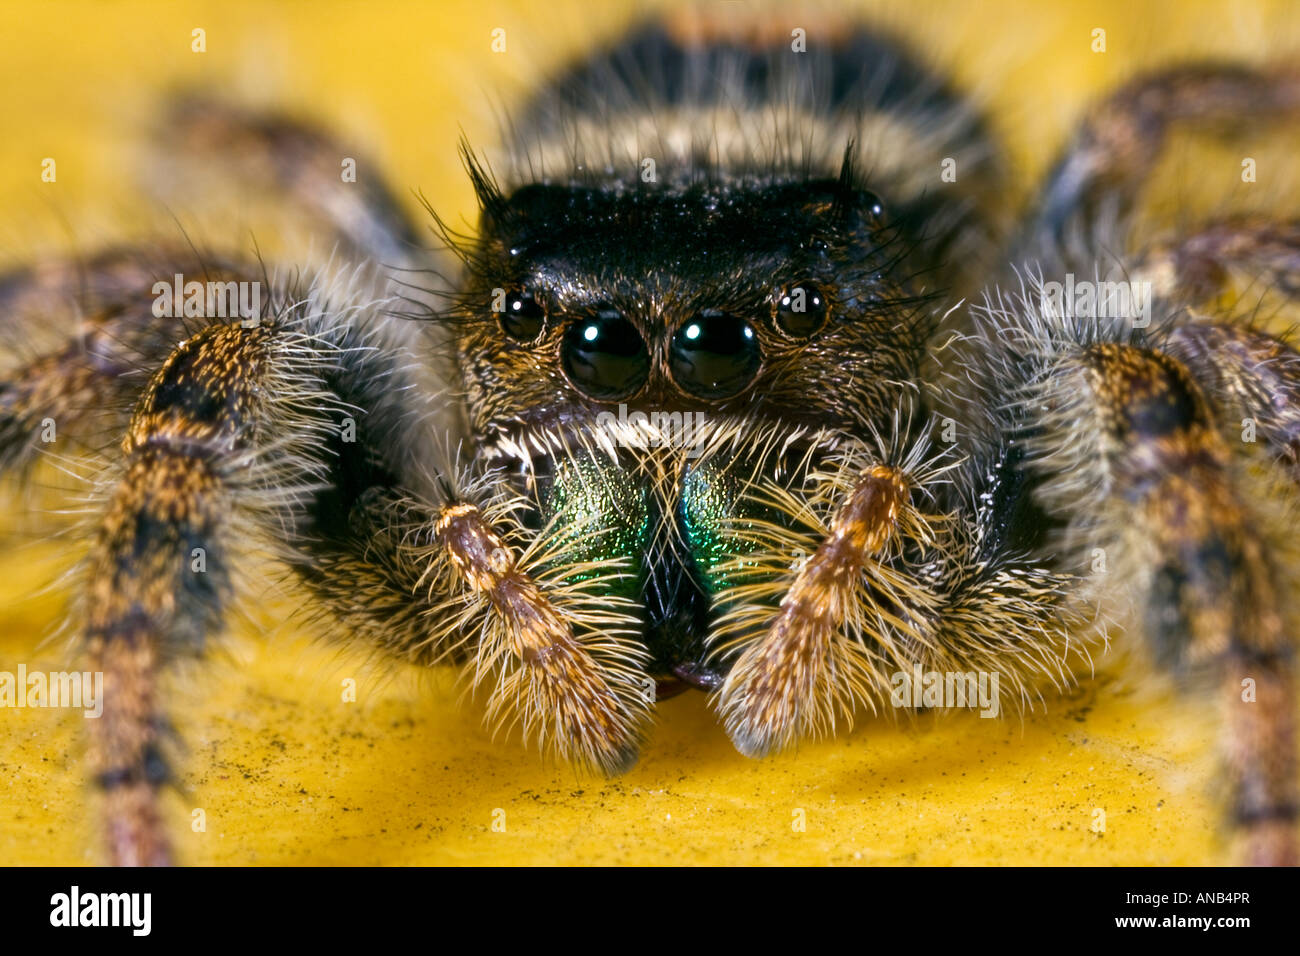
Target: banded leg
<point>782,686</point>
<point>1206,578</point>
<point>198,460</point>
<point>1120,141</point>
<point>1252,376</point>
<point>1255,378</point>
<point>327,182</point>
<point>460,582</point>
<point>82,341</point>
<point>237,436</point>
<point>1196,268</point>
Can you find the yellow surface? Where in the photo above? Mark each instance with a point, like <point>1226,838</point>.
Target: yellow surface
<point>284,770</point>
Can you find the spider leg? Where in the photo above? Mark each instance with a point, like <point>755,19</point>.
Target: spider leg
<point>324,179</point>
<point>1255,378</point>
<point>240,437</point>
<point>457,580</point>
<point>223,440</point>
<point>775,690</point>
<point>1130,450</point>
<point>80,340</point>
<point>1120,140</point>
<point>237,439</point>
<point>1195,268</point>
<point>891,591</point>
<point>1253,375</point>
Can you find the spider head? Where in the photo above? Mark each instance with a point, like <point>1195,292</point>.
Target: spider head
<point>761,303</point>
<point>777,298</point>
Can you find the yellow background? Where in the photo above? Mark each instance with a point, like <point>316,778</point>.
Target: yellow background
<point>285,771</point>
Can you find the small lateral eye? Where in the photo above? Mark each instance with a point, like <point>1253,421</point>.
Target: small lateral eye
<point>522,317</point>
<point>800,310</point>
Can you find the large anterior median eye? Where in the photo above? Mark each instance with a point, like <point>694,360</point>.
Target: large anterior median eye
<point>605,357</point>
<point>715,355</point>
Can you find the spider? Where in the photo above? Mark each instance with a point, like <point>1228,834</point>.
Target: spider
<point>745,381</point>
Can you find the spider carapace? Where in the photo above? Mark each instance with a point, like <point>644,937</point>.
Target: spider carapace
<point>746,381</point>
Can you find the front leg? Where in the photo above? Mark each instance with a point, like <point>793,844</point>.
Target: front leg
<point>903,573</point>
<point>239,438</point>
<point>793,678</point>
<point>221,436</point>
<point>588,699</point>
<point>236,438</point>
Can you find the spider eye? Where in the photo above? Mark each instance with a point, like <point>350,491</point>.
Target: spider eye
<point>715,355</point>
<point>801,310</point>
<point>605,357</point>
<point>523,317</point>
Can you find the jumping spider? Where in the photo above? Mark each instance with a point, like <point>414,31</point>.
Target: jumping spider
<point>716,400</point>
